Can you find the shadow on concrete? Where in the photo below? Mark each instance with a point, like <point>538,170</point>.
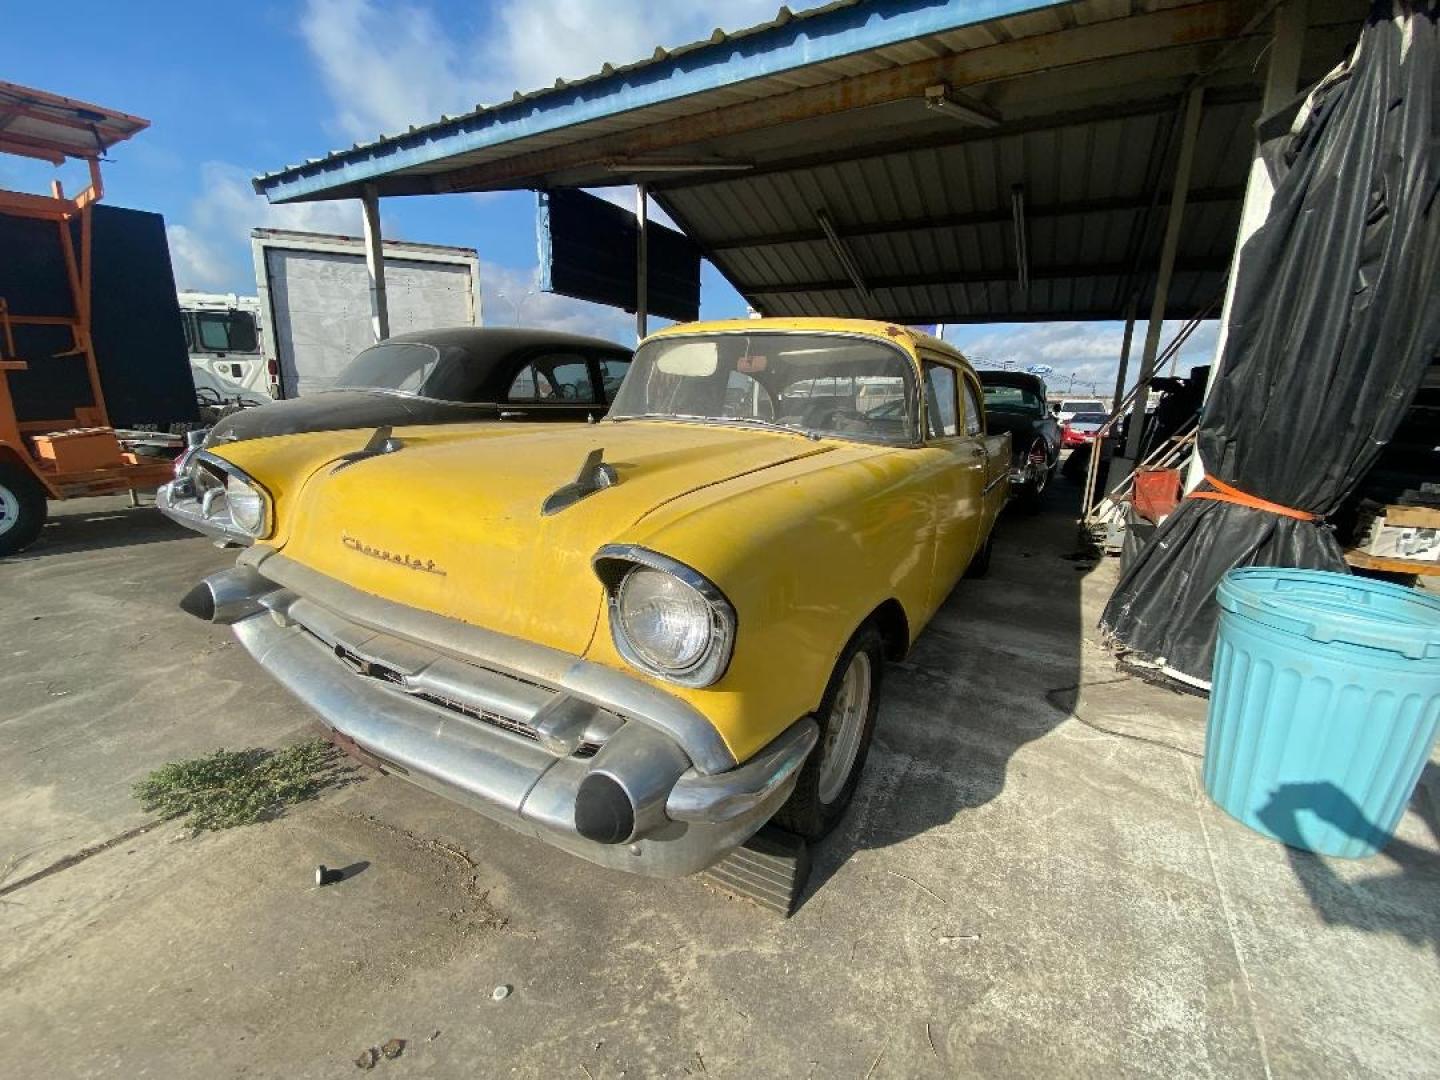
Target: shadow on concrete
<point>128,526</point>
<point>998,667</point>
<point>1400,901</point>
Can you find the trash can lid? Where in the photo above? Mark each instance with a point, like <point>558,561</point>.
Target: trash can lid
<point>1329,607</point>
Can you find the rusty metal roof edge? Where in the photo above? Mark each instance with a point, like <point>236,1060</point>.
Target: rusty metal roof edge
<point>790,40</point>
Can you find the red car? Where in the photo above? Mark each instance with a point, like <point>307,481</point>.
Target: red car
<point>1080,429</point>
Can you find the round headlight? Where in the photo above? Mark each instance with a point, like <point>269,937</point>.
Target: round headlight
<point>246,505</point>
<point>666,622</point>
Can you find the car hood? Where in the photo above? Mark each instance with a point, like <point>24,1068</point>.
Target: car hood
<point>456,527</point>
<point>333,410</point>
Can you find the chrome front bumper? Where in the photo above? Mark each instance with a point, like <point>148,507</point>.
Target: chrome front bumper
<point>519,732</point>
<point>174,501</point>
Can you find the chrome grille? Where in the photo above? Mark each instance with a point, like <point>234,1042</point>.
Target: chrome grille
<point>373,670</point>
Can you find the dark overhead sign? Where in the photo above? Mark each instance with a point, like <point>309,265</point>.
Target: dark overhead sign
<point>587,250</point>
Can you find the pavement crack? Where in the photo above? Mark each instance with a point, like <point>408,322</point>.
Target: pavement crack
<point>77,858</point>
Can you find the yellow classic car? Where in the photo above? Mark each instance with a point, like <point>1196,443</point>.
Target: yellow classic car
<point>639,639</point>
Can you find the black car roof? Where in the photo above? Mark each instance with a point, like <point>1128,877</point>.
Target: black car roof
<point>505,339</point>
<point>1012,378</point>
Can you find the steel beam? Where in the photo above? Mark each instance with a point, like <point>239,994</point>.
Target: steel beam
<point>1004,274</point>
<point>642,262</point>
<point>977,217</point>
<point>375,264</point>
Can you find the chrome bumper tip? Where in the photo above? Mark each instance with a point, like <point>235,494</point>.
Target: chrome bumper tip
<point>675,819</point>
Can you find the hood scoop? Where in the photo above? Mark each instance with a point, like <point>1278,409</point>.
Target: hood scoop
<point>380,443</point>
<point>594,475</point>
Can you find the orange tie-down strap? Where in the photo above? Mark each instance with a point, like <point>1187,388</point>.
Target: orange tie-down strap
<point>1225,493</point>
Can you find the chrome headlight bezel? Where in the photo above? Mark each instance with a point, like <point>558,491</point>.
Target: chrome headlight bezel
<point>614,564</point>
<point>225,473</point>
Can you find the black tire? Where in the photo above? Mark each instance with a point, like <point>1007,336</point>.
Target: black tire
<point>980,563</point>
<point>23,508</point>
<point>805,813</point>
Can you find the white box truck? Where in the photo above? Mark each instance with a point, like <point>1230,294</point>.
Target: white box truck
<point>315,299</point>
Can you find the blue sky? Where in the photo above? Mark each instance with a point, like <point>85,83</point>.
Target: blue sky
<point>237,89</point>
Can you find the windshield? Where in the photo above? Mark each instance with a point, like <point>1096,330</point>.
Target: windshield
<point>820,384</point>
<point>409,367</point>
<point>1014,399</point>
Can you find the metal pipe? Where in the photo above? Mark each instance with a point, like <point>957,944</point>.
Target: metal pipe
<point>1194,102</point>
<point>375,264</point>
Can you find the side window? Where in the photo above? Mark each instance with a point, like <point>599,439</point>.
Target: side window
<point>612,373</point>
<point>940,401</point>
<point>556,380</point>
<point>973,423</point>
<point>530,385</point>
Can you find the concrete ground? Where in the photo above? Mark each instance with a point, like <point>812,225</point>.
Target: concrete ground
<point>1031,880</point>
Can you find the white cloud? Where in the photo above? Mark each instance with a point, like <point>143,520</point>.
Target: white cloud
<point>387,67</point>
<point>1089,351</point>
<point>510,297</point>
<point>211,249</point>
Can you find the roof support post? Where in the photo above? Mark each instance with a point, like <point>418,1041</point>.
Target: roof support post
<point>642,260</point>
<point>1190,127</point>
<point>375,264</point>
<point>1282,78</point>
<point>1125,353</point>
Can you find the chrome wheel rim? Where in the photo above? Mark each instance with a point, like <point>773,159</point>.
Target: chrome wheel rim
<point>841,741</point>
<point>1039,474</point>
<point>9,509</point>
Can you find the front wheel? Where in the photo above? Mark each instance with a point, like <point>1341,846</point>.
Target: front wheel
<point>22,508</point>
<point>847,721</point>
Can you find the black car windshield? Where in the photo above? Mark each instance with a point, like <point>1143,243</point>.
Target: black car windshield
<point>446,373</point>
<point>1013,399</point>
<point>819,384</point>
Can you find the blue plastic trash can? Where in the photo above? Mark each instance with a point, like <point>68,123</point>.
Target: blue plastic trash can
<point>1324,705</point>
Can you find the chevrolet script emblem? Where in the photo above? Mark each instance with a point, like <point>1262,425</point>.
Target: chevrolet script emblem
<point>425,566</point>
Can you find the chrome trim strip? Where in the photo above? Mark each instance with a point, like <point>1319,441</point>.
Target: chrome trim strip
<point>735,793</point>
<point>611,689</point>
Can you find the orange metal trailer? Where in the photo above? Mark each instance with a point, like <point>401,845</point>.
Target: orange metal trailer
<point>77,454</point>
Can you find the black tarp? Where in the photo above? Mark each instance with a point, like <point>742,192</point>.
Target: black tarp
<point>1335,319</point>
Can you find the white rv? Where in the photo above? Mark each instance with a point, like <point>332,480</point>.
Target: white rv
<point>227,360</point>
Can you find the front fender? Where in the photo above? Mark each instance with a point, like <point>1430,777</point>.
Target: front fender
<point>804,553</point>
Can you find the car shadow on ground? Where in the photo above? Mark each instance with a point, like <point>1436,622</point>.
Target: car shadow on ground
<point>998,667</point>
<point>115,526</point>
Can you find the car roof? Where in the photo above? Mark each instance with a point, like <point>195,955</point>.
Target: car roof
<point>504,339</point>
<point>908,336</point>
<point>1012,378</point>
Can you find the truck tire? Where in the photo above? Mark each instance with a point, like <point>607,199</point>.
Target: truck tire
<point>846,717</point>
<point>22,508</point>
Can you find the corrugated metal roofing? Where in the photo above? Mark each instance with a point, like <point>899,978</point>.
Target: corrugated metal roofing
<point>824,115</point>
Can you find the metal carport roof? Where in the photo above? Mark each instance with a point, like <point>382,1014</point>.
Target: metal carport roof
<point>758,143</point>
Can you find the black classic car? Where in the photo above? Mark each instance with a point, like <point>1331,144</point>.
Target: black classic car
<point>447,376</point>
<point>1015,402</point>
